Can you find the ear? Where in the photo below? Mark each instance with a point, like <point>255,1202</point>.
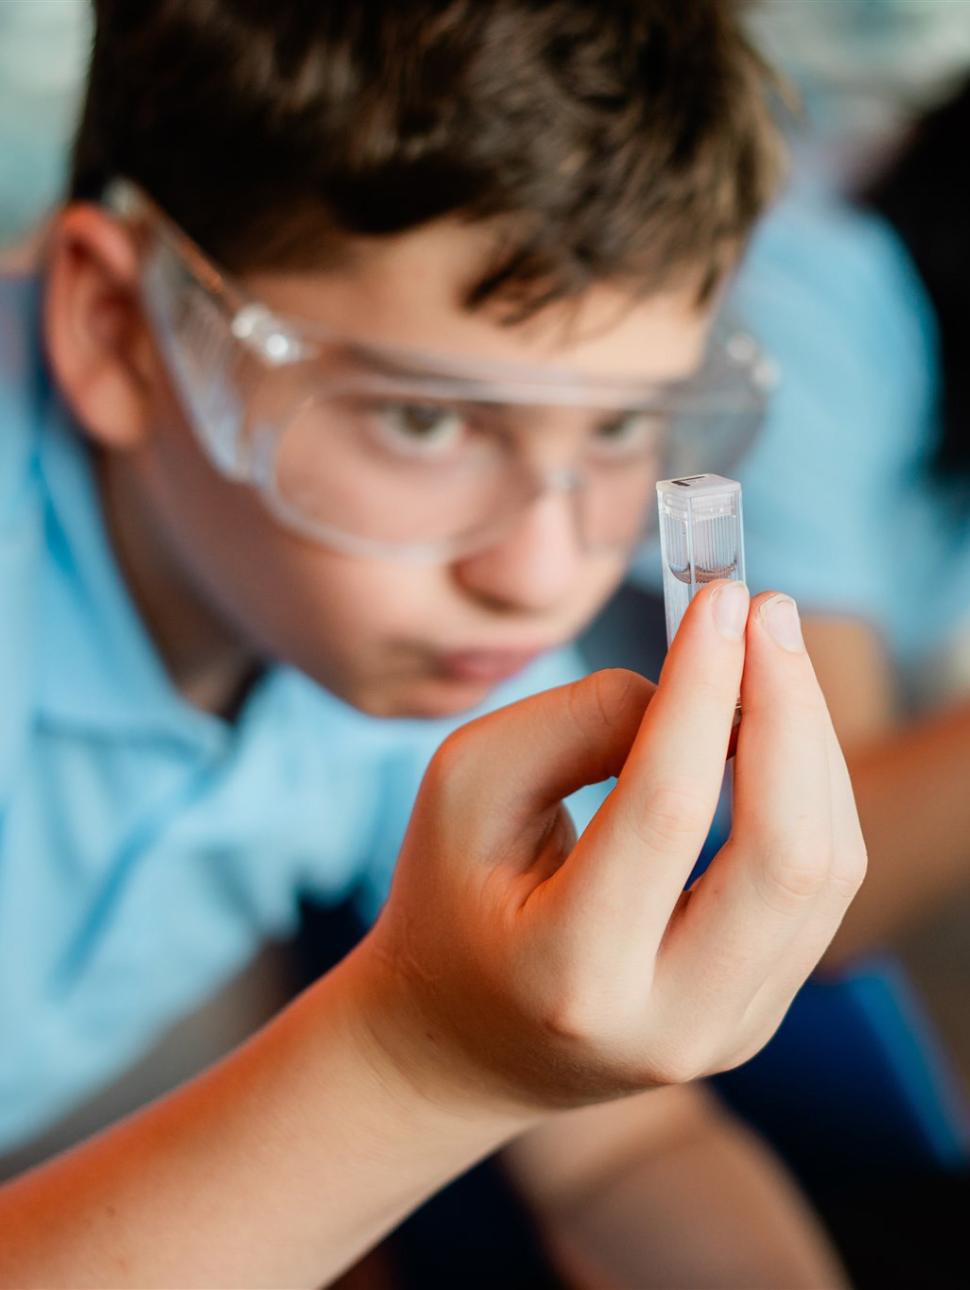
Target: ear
<point>97,339</point>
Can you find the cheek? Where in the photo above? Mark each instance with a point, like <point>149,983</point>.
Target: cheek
<point>339,618</point>
<point>287,596</point>
<point>599,578</point>
<point>315,608</point>
<point>361,605</point>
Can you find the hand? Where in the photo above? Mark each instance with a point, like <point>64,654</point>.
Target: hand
<point>516,966</point>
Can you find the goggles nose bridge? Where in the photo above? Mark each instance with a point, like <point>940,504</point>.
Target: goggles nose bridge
<point>561,479</point>
<point>570,481</point>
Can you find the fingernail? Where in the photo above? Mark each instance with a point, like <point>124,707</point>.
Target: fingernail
<point>780,616</point>
<point>730,608</point>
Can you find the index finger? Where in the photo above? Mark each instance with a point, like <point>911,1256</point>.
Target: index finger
<point>631,864</point>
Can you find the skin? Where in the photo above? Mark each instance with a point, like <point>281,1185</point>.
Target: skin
<point>571,968</point>
<point>620,1189</point>
<point>569,973</point>
<point>221,582</point>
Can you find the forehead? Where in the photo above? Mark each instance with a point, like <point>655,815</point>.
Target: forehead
<point>409,291</point>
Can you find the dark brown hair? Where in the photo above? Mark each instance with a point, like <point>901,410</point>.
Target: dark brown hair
<point>624,140</point>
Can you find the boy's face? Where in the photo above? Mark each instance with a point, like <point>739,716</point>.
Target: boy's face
<point>395,638</point>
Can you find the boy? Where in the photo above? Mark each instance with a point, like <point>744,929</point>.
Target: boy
<point>399,451</point>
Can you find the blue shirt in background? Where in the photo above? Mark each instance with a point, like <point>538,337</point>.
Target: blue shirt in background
<point>147,848</point>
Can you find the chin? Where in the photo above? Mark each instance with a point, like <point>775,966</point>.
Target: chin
<point>427,699</point>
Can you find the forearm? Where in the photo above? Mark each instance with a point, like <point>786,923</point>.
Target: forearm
<point>913,795</point>
<point>278,1167</point>
<point>697,1202</point>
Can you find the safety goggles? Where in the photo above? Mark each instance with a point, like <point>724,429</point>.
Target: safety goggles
<point>401,454</point>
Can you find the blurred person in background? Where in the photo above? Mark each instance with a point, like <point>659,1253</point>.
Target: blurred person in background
<point>858,489</point>
<point>857,496</point>
<point>865,70</point>
<point>43,48</point>
<point>859,493</point>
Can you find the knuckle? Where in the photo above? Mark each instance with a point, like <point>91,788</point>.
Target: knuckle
<point>449,759</point>
<point>670,814</point>
<point>793,877</point>
<point>675,1071</point>
<point>445,759</point>
<point>582,1015</point>
<point>849,871</point>
<point>679,1064</point>
<point>608,692</point>
<point>798,705</point>
<point>567,1017</point>
<point>753,1043</point>
<point>716,691</point>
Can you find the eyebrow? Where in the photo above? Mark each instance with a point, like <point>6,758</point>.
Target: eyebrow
<point>464,388</point>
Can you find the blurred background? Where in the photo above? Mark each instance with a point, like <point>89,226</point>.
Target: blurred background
<point>865,68</point>
<point>865,71</point>
<point>43,49</point>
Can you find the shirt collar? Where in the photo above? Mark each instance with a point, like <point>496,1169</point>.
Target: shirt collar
<point>98,666</point>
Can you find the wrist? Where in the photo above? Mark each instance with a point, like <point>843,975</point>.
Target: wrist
<point>412,1055</point>
<point>407,1057</point>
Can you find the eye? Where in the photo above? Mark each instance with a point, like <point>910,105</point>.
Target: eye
<point>421,429</point>
<point>627,434</point>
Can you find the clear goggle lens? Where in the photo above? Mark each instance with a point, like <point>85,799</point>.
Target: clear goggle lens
<point>369,449</point>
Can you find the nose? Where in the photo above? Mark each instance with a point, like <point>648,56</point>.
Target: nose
<point>534,564</point>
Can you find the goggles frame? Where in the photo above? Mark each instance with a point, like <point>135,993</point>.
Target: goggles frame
<point>734,377</point>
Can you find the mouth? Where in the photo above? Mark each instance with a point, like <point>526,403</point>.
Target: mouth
<point>486,665</point>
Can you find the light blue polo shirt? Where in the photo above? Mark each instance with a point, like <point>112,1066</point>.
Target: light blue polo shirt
<point>147,849</point>
<point>839,507</point>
